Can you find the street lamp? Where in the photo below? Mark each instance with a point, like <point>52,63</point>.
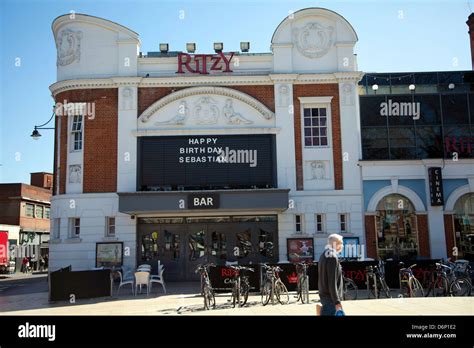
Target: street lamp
<point>36,134</point>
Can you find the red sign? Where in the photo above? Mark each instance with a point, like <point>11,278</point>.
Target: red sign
<point>198,63</point>
<point>3,247</point>
<point>458,144</point>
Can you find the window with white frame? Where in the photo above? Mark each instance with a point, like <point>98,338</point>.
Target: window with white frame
<point>47,212</point>
<point>110,226</point>
<point>343,222</point>
<point>56,228</point>
<point>315,124</point>
<point>320,223</point>
<point>30,210</point>
<point>39,212</point>
<point>76,133</point>
<point>75,227</point>
<point>299,223</point>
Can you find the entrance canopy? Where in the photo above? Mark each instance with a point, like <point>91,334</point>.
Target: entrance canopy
<point>149,202</point>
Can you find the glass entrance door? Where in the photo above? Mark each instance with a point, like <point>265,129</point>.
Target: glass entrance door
<point>195,250</point>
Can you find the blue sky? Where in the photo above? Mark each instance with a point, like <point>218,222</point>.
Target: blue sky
<point>393,36</point>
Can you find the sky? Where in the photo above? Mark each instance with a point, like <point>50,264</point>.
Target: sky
<point>420,35</point>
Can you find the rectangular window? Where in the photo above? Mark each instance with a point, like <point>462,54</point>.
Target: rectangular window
<point>75,227</point>
<point>47,212</point>
<point>298,223</point>
<point>110,227</point>
<point>319,223</point>
<point>56,228</point>
<point>343,221</point>
<point>76,133</point>
<point>30,210</point>
<point>315,127</point>
<point>39,212</point>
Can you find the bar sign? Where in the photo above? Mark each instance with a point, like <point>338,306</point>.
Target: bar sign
<point>436,186</point>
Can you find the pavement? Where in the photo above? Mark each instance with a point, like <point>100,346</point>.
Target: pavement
<point>28,295</point>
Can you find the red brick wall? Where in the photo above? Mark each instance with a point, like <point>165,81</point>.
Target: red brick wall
<point>100,140</point>
<point>318,90</point>
<point>423,235</point>
<point>449,234</point>
<point>43,180</point>
<point>370,236</point>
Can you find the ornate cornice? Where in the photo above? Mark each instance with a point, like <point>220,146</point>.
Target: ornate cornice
<point>227,92</point>
<point>189,81</point>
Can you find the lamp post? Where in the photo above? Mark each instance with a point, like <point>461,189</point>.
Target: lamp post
<point>36,134</point>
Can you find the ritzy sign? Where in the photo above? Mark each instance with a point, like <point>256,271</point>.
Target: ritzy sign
<point>204,63</point>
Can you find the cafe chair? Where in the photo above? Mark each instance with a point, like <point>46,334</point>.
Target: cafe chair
<point>158,278</point>
<point>142,278</point>
<point>144,268</point>
<point>124,281</point>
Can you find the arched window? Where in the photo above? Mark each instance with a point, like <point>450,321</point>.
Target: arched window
<point>464,226</point>
<point>396,228</point>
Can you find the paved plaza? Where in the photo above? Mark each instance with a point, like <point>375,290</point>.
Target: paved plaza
<point>27,295</point>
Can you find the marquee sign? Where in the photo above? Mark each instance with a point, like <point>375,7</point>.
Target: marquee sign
<point>217,161</point>
<point>436,186</point>
<point>204,63</point>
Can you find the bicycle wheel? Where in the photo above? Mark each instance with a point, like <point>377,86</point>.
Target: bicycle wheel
<point>305,290</point>
<point>209,298</point>
<point>384,289</point>
<point>440,286</point>
<point>235,295</point>
<point>244,293</point>
<point>350,290</point>
<point>299,288</point>
<point>414,288</point>
<point>281,292</point>
<point>461,287</point>
<point>266,292</point>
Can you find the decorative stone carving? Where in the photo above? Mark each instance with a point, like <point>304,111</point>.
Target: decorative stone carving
<point>68,45</point>
<point>207,90</point>
<point>284,96</point>
<point>75,174</point>
<point>180,118</point>
<point>206,110</point>
<point>313,40</point>
<point>127,99</point>
<point>231,116</point>
<point>317,170</point>
<point>347,95</point>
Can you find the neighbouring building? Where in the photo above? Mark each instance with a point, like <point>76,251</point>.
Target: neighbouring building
<point>25,214</point>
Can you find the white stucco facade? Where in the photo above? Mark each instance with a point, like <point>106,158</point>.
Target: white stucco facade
<point>96,53</point>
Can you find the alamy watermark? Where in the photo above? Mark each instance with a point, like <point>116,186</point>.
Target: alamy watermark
<point>228,155</point>
<point>66,108</point>
<point>403,109</point>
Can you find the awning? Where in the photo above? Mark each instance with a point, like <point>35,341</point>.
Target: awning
<point>149,202</point>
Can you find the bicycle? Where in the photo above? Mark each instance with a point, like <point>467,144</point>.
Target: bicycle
<point>409,285</point>
<point>379,285</point>
<point>302,284</point>
<point>449,280</point>
<point>240,286</point>
<point>273,285</point>
<point>350,289</point>
<point>206,289</point>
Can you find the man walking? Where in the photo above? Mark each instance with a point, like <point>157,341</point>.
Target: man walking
<point>330,281</point>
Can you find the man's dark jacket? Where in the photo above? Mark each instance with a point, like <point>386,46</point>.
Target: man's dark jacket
<point>330,281</point>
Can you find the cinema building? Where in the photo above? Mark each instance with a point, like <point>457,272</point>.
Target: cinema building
<point>188,158</point>
<point>417,132</point>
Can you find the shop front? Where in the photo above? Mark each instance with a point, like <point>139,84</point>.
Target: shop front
<point>182,243</point>
<point>230,231</point>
